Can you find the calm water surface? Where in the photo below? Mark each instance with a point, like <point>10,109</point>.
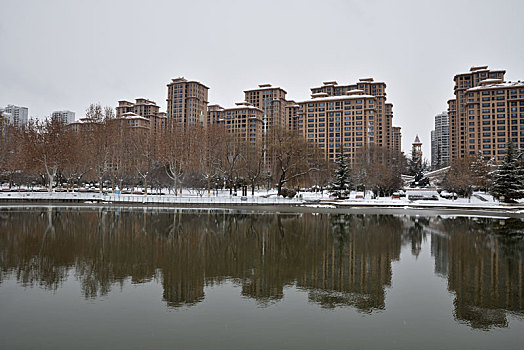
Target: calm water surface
<point>188,279</point>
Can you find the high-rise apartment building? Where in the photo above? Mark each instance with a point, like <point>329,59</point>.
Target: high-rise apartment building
<point>214,113</point>
<point>66,117</point>
<point>460,127</point>
<point>271,100</point>
<point>383,116</point>
<point>146,109</point>
<point>18,116</point>
<point>142,107</point>
<point>291,112</point>
<point>244,122</point>
<point>135,122</point>
<point>396,139</point>
<point>347,120</point>
<point>495,116</point>
<point>440,141</point>
<point>187,102</point>
<point>3,121</point>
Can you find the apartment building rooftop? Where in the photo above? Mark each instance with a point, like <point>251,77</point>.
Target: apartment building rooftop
<point>184,80</point>
<point>495,84</point>
<point>480,69</point>
<point>266,87</point>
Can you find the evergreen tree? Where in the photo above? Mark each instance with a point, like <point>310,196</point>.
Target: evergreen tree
<point>341,185</point>
<point>508,179</point>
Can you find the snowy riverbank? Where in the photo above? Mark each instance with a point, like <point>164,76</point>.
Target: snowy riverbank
<point>306,199</point>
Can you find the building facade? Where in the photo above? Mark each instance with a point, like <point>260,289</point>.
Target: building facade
<point>460,130</point>
<point>440,141</point>
<point>383,110</point>
<point>66,117</point>
<point>187,102</point>
<point>495,116</point>
<point>272,101</point>
<point>147,109</point>
<point>345,121</point>
<point>16,115</point>
<point>291,112</point>
<point>214,113</point>
<point>142,107</point>
<point>244,122</point>
<point>396,137</point>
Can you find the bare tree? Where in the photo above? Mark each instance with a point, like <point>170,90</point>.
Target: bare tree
<point>460,177</point>
<point>100,135</point>
<point>172,155</point>
<point>143,155</point>
<point>253,165</point>
<point>78,164</point>
<point>291,156</point>
<point>10,144</point>
<point>47,145</point>
<point>378,169</point>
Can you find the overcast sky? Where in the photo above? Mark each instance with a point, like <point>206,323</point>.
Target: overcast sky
<point>67,54</point>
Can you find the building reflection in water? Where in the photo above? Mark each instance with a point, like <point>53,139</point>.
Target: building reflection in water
<point>483,262</point>
<point>339,260</point>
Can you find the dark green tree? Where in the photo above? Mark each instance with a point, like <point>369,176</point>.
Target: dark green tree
<point>341,185</point>
<point>508,179</point>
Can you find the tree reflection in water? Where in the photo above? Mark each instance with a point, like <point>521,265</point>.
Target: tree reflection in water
<point>339,260</point>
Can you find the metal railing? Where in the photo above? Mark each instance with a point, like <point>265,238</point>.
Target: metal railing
<point>152,199</point>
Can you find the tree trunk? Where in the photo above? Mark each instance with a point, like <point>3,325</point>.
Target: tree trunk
<point>51,180</point>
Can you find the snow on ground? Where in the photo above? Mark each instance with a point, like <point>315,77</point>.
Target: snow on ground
<point>262,197</point>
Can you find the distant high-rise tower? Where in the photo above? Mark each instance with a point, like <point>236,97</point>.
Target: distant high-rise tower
<point>18,116</point>
<point>416,151</point>
<point>440,141</point>
<point>187,102</point>
<point>66,117</point>
<point>396,137</point>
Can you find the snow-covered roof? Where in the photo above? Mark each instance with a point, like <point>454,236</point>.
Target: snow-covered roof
<point>131,115</point>
<point>266,87</point>
<point>243,105</point>
<point>508,84</point>
<point>336,98</point>
<point>85,121</point>
<point>490,80</point>
<point>481,69</point>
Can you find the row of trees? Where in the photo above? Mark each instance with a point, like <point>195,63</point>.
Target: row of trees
<point>504,182</point>
<point>108,152</point>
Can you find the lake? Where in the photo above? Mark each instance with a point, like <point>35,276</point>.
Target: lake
<point>124,278</point>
